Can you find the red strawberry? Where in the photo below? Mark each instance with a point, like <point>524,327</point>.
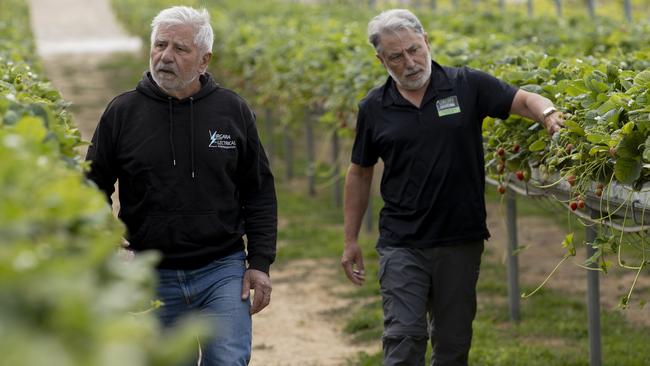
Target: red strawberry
<point>581,204</point>
<point>515,149</point>
<point>571,179</point>
<point>573,205</point>
<point>520,175</point>
<point>501,151</point>
<point>501,189</point>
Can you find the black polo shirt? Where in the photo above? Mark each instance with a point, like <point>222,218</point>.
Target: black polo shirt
<point>434,176</point>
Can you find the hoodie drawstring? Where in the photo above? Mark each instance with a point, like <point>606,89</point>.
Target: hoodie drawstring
<point>192,133</point>
<point>171,131</point>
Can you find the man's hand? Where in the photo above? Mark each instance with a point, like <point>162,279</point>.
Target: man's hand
<point>259,282</point>
<point>554,122</point>
<point>352,262</point>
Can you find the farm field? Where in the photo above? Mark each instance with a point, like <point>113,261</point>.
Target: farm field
<point>595,70</point>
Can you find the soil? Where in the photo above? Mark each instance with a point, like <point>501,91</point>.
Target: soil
<point>303,325</point>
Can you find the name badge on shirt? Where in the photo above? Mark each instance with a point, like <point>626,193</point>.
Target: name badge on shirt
<point>447,106</point>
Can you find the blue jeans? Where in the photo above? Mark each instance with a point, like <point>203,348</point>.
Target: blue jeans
<point>214,293</point>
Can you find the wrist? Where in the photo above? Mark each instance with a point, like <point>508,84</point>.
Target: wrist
<point>548,112</point>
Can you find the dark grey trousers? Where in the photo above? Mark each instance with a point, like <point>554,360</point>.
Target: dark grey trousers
<point>429,294</point>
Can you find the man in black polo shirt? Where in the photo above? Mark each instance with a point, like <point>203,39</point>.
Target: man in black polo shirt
<point>425,124</point>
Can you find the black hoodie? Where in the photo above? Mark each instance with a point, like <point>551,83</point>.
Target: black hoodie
<point>193,176</point>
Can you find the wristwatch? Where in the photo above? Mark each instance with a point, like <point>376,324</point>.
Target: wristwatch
<point>548,111</point>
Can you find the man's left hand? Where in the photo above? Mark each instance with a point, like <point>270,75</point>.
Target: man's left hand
<point>259,282</point>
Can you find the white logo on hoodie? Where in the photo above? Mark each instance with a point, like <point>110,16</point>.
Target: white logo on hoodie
<point>221,141</point>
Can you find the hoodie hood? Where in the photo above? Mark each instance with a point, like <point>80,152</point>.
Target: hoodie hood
<point>148,87</point>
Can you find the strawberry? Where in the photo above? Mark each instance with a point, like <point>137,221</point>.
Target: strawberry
<point>569,148</point>
<point>501,151</point>
<point>520,175</point>
<point>515,149</point>
<point>572,180</point>
<point>599,192</point>
<point>581,204</point>
<point>501,189</point>
<point>573,205</point>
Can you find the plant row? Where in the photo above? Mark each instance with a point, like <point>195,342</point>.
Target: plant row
<point>66,297</point>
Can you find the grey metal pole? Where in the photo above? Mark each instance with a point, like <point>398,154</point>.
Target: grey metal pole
<point>268,142</point>
<point>288,153</point>
<point>337,192</point>
<point>591,8</point>
<point>513,263</point>
<point>558,7</point>
<point>593,298</point>
<point>530,8</point>
<point>627,4</point>
<point>311,156</point>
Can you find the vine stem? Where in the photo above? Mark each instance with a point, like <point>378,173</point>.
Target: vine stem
<point>524,295</point>
<point>634,283</point>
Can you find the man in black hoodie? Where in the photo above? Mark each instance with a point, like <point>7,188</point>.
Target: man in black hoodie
<point>193,180</point>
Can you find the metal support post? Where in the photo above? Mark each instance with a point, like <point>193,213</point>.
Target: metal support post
<point>627,6</point>
<point>593,298</point>
<point>513,263</point>
<point>591,8</point>
<point>558,8</point>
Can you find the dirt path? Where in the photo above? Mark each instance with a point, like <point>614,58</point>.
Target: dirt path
<point>303,326</point>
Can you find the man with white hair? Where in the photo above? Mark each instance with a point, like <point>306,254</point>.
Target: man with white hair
<point>193,180</point>
<point>425,124</point>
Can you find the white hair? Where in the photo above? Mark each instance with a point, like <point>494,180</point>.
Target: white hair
<point>199,20</point>
<point>391,21</point>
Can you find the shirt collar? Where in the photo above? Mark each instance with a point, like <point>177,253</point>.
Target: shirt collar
<point>439,82</point>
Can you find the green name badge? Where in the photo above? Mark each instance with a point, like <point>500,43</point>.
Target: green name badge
<point>447,106</point>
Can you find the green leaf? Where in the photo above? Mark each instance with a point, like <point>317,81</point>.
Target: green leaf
<point>568,244</point>
<point>627,170</point>
<point>538,145</point>
<point>31,128</point>
<point>646,151</point>
<point>630,146</point>
<point>598,149</point>
<point>574,127</point>
<point>597,138</point>
<point>628,128</point>
<point>642,79</point>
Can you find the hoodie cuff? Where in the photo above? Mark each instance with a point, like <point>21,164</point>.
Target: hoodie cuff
<point>259,263</point>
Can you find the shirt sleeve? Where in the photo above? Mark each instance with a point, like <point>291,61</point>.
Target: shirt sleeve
<point>364,152</point>
<point>101,155</point>
<point>258,199</point>
<point>495,96</point>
